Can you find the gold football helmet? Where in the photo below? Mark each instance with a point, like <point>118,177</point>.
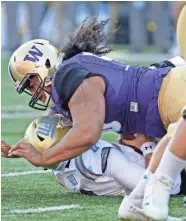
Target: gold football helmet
<point>45,132</point>
<point>33,58</point>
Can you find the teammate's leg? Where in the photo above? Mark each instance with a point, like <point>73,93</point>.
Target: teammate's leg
<point>176,113</point>
<point>134,200</point>
<point>172,163</point>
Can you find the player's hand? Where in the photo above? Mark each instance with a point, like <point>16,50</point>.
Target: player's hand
<point>28,152</point>
<point>4,148</point>
<point>135,140</point>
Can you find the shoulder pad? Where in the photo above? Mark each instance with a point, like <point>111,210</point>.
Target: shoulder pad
<point>68,78</point>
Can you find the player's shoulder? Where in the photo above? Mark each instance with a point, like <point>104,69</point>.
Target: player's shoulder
<point>69,75</point>
<point>67,66</point>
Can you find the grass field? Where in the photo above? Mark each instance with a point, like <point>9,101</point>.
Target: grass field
<point>35,191</point>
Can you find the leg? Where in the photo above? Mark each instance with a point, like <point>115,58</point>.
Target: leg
<point>130,208</point>
<point>171,165</point>
<point>124,171</point>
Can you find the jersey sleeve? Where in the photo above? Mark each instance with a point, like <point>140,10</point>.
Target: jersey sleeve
<point>68,78</point>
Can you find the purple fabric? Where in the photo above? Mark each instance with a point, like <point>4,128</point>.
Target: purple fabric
<point>125,84</point>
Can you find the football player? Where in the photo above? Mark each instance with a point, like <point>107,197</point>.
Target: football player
<point>154,189</point>
<point>171,164</point>
<point>88,87</point>
<point>105,169</point>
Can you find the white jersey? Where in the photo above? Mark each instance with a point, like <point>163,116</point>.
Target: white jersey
<point>124,169</point>
<point>85,174</point>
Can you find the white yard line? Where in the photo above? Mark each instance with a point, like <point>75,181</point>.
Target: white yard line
<point>45,209</point>
<point>18,107</point>
<point>19,111</point>
<point>16,115</point>
<point>25,173</point>
<point>37,210</point>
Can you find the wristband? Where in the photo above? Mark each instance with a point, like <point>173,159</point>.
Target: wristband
<point>147,148</point>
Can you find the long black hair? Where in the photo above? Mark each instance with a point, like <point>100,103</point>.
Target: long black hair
<point>88,37</point>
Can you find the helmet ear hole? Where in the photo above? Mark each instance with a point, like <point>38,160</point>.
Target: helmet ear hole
<point>47,63</point>
<point>35,125</point>
<point>40,138</point>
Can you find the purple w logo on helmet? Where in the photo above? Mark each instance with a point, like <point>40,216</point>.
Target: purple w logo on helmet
<point>33,54</point>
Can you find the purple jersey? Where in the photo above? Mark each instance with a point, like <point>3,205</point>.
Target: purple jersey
<point>131,95</point>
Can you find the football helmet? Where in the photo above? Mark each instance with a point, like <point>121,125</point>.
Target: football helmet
<point>45,132</point>
<point>33,58</point>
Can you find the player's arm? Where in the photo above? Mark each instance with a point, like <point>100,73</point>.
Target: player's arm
<point>5,147</point>
<point>147,149</point>
<point>82,93</point>
<point>87,107</point>
<point>140,143</point>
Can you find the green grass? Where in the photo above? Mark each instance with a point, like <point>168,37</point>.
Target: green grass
<point>41,190</point>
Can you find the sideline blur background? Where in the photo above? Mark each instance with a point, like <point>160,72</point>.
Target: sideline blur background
<point>142,26</point>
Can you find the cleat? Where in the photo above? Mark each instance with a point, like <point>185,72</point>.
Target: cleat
<point>156,198</point>
<point>128,211</point>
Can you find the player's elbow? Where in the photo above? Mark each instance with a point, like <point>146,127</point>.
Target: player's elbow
<point>91,139</point>
<point>91,135</point>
